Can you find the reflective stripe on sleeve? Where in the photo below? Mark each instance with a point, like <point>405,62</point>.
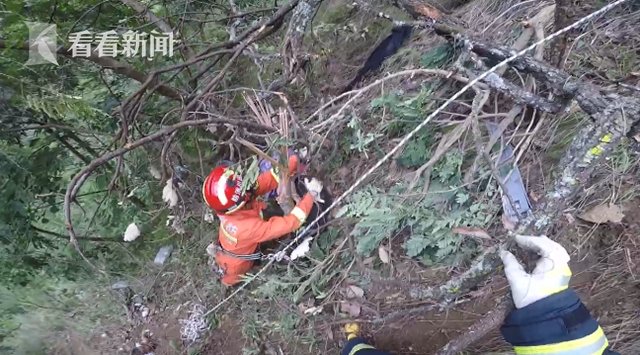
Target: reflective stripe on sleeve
<point>274,173</point>
<point>228,235</point>
<point>592,344</point>
<point>359,347</point>
<point>299,213</point>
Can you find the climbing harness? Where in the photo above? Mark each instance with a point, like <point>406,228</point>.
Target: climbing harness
<point>214,248</point>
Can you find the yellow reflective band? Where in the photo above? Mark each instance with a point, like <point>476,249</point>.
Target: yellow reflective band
<point>561,277</point>
<point>227,235</point>
<point>593,344</point>
<point>299,213</point>
<point>359,347</point>
<point>274,173</point>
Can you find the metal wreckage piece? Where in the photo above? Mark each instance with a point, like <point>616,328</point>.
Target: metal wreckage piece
<point>513,184</point>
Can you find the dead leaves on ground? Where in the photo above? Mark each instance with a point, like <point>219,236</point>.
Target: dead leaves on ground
<point>603,214</point>
<point>383,254</point>
<point>472,232</point>
<point>353,291</point>
<point>352,307</point>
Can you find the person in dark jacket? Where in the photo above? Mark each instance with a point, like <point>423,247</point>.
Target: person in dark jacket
<point>549,318</point>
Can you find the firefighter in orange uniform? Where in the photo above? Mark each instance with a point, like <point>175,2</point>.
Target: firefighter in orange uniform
<point>242,227</point>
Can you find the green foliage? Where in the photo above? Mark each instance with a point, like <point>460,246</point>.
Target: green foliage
<point>360,140</point>
<point>437,57</point>
<point>427,220</point>
<point>408,112</point>
<point>417,151</point>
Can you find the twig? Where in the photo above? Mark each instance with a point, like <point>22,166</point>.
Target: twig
<point>260,153</point>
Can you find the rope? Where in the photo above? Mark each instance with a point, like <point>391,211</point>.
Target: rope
<point>413,133</point>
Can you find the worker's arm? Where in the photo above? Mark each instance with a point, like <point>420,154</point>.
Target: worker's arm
<point>276,227</point>
<point>549,317</point>
<point>557,324</point>
<point>269,180</point>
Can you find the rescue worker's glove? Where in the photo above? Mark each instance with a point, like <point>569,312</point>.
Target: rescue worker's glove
<point>303,155</point>
<point>551,274</point>
<point>314,187</point>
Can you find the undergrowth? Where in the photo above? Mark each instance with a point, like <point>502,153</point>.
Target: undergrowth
<point>425,218</point>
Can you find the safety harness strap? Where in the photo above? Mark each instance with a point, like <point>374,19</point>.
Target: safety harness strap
<point>255,256</point>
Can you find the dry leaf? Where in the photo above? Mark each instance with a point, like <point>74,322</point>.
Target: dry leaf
<point>472,232</point>
<point>351,308</point>
<point>383,254</point>
<point>354,292</point>
<point>507,223</point>
<point>603,214</point>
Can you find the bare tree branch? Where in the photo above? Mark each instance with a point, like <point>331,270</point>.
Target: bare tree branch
<point>78,180</point>
<point>116,66</point>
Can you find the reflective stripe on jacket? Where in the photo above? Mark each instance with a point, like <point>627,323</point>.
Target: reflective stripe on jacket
<point>556,325</point>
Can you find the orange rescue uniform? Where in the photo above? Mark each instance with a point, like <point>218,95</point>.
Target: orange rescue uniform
<point>242,231</point>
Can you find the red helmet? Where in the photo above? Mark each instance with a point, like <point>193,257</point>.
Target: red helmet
<point>222,190</point>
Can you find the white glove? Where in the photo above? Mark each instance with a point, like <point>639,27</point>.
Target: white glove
<point>303,154</point>
<point>314,187</point>
<point>551,274</point>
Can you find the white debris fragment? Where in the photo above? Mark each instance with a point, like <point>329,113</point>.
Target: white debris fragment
<point>169,194</point>
<point>313,310</point>
<point>209,217</point>
<point>155,172</point>
<point>144,311</point>
<point>301,250</point>
<point>193,327</point>
<point>131,233</point>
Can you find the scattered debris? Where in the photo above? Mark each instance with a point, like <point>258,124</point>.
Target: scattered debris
<point>163,254</point>
<point>603,213</point>
<point>131,233</point>
<point>155,172</point>
<point>507,223</point>
<point>383,254</point>
<point>169,194</point>
<point>193,327</point>
<point>472,232</point>
<point>301,250</point>
<point>146,346</point>
<point>209,217</point>
<point>313,310</point>
<point>176,224</point>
